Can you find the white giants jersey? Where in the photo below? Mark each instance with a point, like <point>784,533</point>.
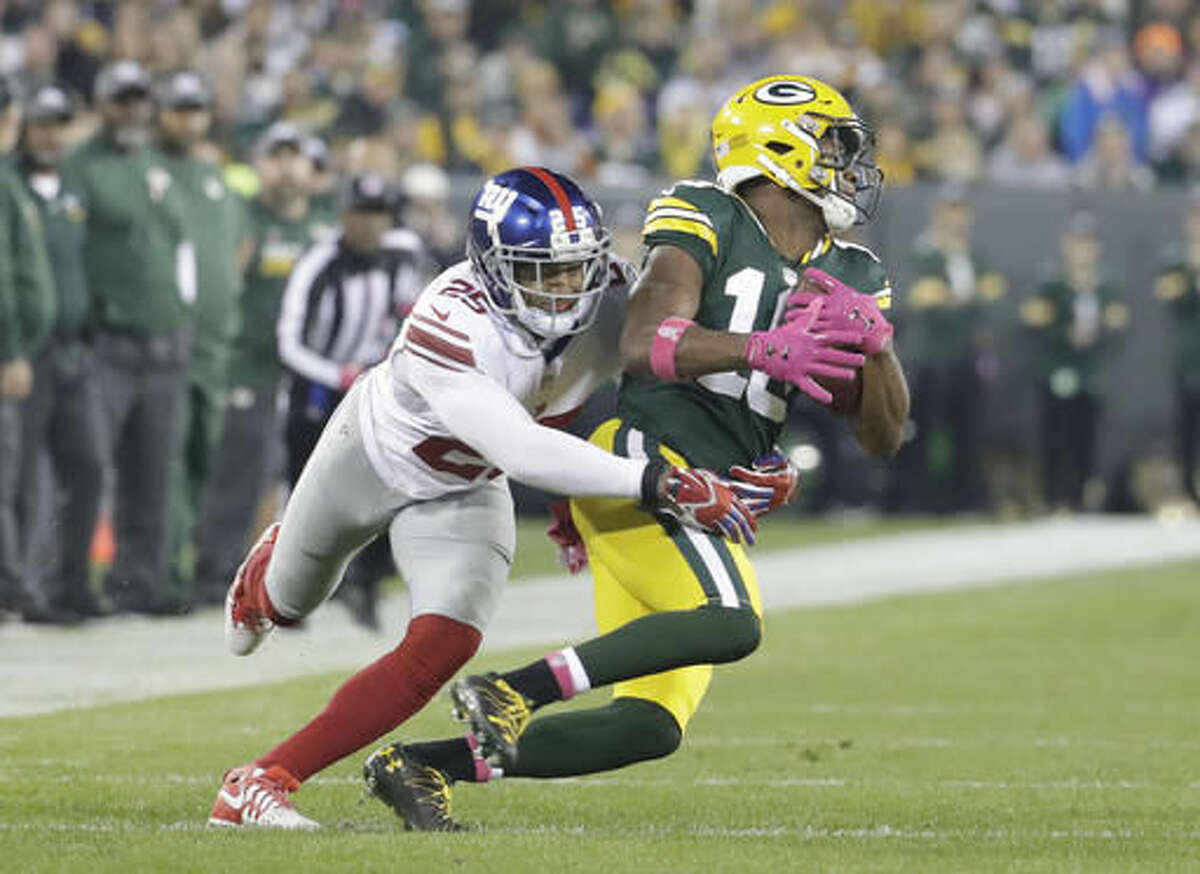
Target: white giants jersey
<point>459,368</point>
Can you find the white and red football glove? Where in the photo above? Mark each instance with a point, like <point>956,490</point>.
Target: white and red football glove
<point>799,350</point>
<point>843,310</point>
<point>773,472</point>
<point>700,499</point>
<point>572,554</point>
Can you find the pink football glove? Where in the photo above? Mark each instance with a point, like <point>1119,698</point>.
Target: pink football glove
<point>797,350</point>
<point>773,472</point>
<point>571,552</point>
<point>845,309</point>
<point>700,499</point>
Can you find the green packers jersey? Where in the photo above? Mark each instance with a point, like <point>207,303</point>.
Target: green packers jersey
<point>277,243</point>
<point>722,419</point>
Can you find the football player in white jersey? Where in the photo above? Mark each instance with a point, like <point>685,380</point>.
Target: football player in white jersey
<point>497,349</point>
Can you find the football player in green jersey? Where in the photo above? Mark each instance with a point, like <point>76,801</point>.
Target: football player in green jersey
<point>727,265</point>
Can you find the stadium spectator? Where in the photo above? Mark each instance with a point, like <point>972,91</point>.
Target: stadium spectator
<point>26,318</point>
<point>952,151</point>
<point>281,222</point>
<point>214,221</point>
<point>62,417</point>
<point>439,30</point>
<point>893,154</point>
<point>1173,111</point>
<point>1178,287</point>
<point>1111,164</point>
<point>546,136</point>
<point>1076,317</point>
<point>143,295</point>
<point>1107,87</point>
<point>426,212</point>
<point>575,36</point>
<point>1158,50</point>
<point>947,315</point>
<point>624,150</point>
<point>988,99</point>
<point>1025,159</point>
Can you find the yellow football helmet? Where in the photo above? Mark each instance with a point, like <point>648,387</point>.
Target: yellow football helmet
<point>802,135</point>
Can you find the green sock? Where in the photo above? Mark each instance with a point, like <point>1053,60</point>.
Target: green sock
<point>626,731</point>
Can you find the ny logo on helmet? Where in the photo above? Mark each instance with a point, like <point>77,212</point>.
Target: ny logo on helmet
<point>493,203</point>
<point>785,92</point>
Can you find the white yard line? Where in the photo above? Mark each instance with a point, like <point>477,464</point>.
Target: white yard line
<point>122,659</point>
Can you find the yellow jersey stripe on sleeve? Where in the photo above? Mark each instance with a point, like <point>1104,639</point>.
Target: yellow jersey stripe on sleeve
<point>683,225</point>
<point>671,212</point>
<point>883,298</point>
<point>677,202</point>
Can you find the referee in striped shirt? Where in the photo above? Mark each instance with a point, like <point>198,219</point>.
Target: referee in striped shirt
<point>343,306</point>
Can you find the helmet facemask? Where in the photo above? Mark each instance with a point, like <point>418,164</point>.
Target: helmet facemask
<point>845,182</point>
<point>551,292</point>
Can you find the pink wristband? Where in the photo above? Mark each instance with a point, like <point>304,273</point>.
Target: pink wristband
<point>662,349</point>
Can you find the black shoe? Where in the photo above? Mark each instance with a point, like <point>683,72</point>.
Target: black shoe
<point>496,712</point>
<point>419,794</point>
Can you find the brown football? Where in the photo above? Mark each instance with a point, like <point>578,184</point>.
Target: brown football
<point>846,393</point>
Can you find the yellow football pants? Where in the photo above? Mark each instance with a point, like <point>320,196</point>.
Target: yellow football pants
<point>640,568</point>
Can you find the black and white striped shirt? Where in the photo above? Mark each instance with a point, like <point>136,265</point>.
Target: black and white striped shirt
<point>342,308</point>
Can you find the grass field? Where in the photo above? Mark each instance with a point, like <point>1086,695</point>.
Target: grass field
<point>1036,727</point>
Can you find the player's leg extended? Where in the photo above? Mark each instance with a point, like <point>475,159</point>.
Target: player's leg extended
<point>454,554</point>
<point>653,598</point>
<point>339,504</point>
<point>701,605</point>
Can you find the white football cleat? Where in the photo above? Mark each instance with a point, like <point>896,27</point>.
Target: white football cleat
<point>251,795</point>
<point>246,619</point>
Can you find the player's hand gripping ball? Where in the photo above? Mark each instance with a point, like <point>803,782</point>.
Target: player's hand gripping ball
<point>843,310</point>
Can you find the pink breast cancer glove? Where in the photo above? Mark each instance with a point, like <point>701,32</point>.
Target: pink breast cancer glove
<point>798,350</point>
<point>845,309</point>
<point>572,554</point>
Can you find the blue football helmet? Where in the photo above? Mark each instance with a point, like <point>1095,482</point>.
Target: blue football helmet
<point>537,242</point>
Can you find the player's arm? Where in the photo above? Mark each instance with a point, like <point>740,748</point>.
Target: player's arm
<point>481,413</point>
<point>883,408</point>
<point>659,336</point>
<point>670,286</point>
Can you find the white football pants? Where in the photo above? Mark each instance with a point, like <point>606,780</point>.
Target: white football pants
<point>453,552</point>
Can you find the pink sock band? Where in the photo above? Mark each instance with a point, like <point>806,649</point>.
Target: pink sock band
<point>662,349</point>
<point>484,772</point>
<point>562,673</point>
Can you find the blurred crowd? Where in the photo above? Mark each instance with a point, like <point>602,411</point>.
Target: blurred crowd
<point>1045,93</point>
<point>167,166</point>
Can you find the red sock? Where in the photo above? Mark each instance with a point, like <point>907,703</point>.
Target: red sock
<point>380,696</point>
